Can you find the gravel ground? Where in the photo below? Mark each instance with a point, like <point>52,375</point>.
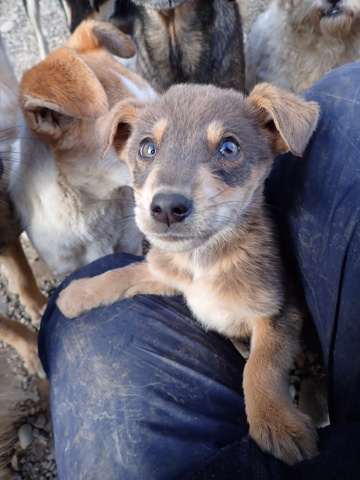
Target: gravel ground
<point>32,456</point>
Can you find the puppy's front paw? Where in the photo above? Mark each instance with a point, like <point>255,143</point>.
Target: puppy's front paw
<point>285,433</point>
<point>78,297</point>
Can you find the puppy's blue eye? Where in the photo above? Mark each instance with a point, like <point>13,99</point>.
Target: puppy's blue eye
<point>228,149</point>
<point>147,148</point>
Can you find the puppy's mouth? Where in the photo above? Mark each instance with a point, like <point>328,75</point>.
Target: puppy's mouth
<point>176,237</point>
<point>333,11</point>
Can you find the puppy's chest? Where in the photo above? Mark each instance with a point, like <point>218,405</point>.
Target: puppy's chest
<point>218,300</point>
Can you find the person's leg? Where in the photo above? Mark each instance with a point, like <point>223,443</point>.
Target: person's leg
<point>317,201</point>
<point>138,389</point>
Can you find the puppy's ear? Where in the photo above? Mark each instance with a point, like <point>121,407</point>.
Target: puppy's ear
<point>287,120</point>
<point>60,90</point>
<point>91,35</point>
<point>115,127</point>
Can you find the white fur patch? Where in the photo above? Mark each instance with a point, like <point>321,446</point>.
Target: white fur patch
<point>142,93</point>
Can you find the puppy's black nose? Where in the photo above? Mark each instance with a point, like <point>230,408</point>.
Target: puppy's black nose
<point>170,208</point>
<point>333,2</point>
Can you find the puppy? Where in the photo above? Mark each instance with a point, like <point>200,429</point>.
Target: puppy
<point>198,41</point>
<point>295,42</point>
<point>75,205</point>
<point>11,253</point>
<point>199,156</point>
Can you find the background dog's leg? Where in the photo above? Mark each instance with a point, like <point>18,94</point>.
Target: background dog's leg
<point>24,341</point>
<point>14,260</point>
<point>275,423</point>
<point>32,8</point>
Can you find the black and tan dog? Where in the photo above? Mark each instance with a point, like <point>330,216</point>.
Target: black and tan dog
<point>199,156</point>
<point>194,41</point>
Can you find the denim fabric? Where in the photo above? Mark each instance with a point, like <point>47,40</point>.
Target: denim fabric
<point>317,201</point>
<point>138,389</point>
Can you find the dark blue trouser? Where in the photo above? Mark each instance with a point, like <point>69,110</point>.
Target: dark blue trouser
<point>140,391</point>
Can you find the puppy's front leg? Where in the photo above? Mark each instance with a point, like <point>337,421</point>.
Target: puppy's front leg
<point>88,293</point>
<point>276,424</point>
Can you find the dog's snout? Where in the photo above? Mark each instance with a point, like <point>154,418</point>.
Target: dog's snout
<point>334,2</point>
<point>170,208</point>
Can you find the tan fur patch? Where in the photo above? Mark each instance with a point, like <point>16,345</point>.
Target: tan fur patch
<point>158,130</point>
<point>214,134</point>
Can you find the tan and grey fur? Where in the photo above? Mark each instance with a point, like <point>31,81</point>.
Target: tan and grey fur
<point>198,41</point>
<point>12,256</point>
<point>199,156</point>
<point>294,43</point>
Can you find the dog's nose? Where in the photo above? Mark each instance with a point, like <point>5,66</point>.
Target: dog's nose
<point>334,2</point>
<point>170,208</point>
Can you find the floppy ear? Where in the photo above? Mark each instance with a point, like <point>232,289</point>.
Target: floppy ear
<point>288,120</point>
<point>116,126</point>
<point>60,90</point>
<point>91,35</point>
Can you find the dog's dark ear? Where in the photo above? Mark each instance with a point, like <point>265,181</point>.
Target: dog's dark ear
<point>287,120</point>
<point>115,127</point>
<point>60,90</point>
<point>92,35</point>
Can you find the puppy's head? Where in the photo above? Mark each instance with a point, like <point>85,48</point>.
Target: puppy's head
<point>62,96</point>
<point>199,156</point>
<point>335,19</point>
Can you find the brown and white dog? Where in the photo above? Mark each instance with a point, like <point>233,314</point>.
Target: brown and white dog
<point>295,42</point>
<point>199,157</point>
<point>194,41</point>
<point>11,254</point>
<point>75,204</point>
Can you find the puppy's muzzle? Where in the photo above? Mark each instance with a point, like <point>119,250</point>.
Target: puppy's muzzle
<point>333,8</point>
<point>170,208</point>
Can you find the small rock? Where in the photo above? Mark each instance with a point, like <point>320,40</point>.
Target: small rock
<point>15,463</point>
<point>25,435</point>
<point>40,421</point>
<point>7,26</point>
<point>39,452</point>
<point>292,391</point>
<point>42,439</point>
<point>48,427</point>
